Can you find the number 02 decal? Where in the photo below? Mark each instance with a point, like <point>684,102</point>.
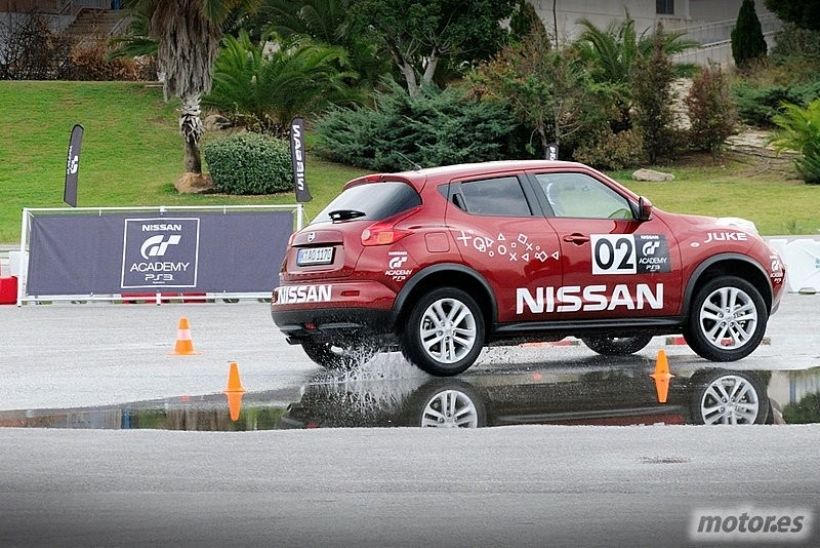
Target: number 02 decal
<point>613,254</point>
<point>629,253</point>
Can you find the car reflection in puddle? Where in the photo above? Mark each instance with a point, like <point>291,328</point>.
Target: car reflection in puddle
<point>527,394</point>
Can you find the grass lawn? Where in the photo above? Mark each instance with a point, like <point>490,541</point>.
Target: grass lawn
<point>132,154</point>
<point>777,203</point>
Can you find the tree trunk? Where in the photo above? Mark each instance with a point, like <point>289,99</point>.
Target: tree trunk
<point>191,128</point>
<point>430,68</point>
<point>542,134</point>
<point>410,76</point>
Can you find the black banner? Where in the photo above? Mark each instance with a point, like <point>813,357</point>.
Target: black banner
<point>72,166</point>
<point>112,253</point>
<point>297,158</point>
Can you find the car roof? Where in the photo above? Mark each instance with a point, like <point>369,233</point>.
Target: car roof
<point>480,168</point>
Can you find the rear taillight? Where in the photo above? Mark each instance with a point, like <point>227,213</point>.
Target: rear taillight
<point>382,235</point>
<point>385,232</point>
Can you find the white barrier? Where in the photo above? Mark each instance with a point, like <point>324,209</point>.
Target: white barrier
<point>802,259</point>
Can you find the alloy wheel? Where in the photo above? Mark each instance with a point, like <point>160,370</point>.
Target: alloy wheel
<point>448,330</point>
<point>728,318</point>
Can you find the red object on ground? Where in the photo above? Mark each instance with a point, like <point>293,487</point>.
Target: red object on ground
<point>142,297</point>
<point>194,298</point>
<point>8,290</point>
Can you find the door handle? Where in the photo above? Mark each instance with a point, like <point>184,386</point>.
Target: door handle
<point>576,238</point>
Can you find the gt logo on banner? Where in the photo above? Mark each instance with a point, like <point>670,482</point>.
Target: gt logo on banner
<point>629,254</point>
<point>160,252</point>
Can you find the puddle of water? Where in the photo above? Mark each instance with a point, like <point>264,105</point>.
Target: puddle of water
<point>390,395</point>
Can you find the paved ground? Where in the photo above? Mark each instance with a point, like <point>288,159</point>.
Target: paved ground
<point>515,486</point>
<point>82,355</point>
<point>510,486</point>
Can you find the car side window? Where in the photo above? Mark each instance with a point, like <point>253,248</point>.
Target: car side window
<point>579,195</point>
<point>502,196</point>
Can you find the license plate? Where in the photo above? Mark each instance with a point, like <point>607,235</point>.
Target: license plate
<point>314,255</point>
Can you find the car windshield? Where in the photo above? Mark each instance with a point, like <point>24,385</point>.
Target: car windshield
<point>370,202</point>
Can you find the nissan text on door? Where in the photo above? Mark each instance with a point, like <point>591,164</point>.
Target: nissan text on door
<point>440,262</point>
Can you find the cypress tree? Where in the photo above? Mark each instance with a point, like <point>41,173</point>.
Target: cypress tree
<point>747,36</point>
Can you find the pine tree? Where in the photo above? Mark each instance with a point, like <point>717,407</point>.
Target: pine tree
<point>747,36</point>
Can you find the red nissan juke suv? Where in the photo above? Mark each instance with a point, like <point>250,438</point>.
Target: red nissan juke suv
<point>442,262</point>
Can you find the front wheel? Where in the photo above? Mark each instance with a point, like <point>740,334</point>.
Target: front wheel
<point>617,346</point>
<point>727,320</point>
<point>444,333</point>
<point>338,356</point>
<point>726,397</point>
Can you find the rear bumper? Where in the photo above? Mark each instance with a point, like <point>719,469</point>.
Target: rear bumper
<point>333,310</point>
<point>332,323</point>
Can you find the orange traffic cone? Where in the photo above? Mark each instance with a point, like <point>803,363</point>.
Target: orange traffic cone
<point>234,404</point>
<point>662,376</point>
<point>184,345</point>
<point>234,384</point>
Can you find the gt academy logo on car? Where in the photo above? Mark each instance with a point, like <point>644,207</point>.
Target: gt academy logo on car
<point>725,237</point>
<point>592,298</point>
<point>395,264</point>
<point>297,294</point>
<point>777,268</point>
<point>629,254</point>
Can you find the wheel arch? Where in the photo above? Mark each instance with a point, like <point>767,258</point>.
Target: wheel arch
<point>447,275</point>
<point>729,264</point>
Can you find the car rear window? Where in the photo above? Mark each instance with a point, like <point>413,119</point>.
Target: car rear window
<point>376,200</point>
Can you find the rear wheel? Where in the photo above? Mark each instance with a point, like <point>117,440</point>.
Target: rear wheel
<point>338,356</point>
<point>727,320</point>
<point>617,346</point>
<point>444,333</point>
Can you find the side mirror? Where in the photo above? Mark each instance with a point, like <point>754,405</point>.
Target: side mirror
<point>644,209</point>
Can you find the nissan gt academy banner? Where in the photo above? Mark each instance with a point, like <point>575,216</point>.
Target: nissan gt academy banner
<point>234,252</point>
<point>297,159</point>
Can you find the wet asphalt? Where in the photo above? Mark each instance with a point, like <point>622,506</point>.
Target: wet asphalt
<point>87,373</point>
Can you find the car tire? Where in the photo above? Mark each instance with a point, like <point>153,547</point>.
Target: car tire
<point>617,346</point>
<point>444,333</point>
<point>341,356</point>
<point>727,320</point>
<point>713,403</point>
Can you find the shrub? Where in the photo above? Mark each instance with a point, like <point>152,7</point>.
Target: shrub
<point>759,104</point>
<point>435,128</point>
<point>791,40</point>
<point>711,110</point>
<point>652,93</point>
<point>30,50</point>
<point>612,150</point>
<point>747,36</point>
<point>249,163</point>
<point>92,62</point>
<point>799,130</point>
<point>806,411</point>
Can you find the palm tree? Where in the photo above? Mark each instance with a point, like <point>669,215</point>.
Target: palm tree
<point>188,33</point>
<point>612,53</point>
<point>268,90</point>
<point>331,22</point>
